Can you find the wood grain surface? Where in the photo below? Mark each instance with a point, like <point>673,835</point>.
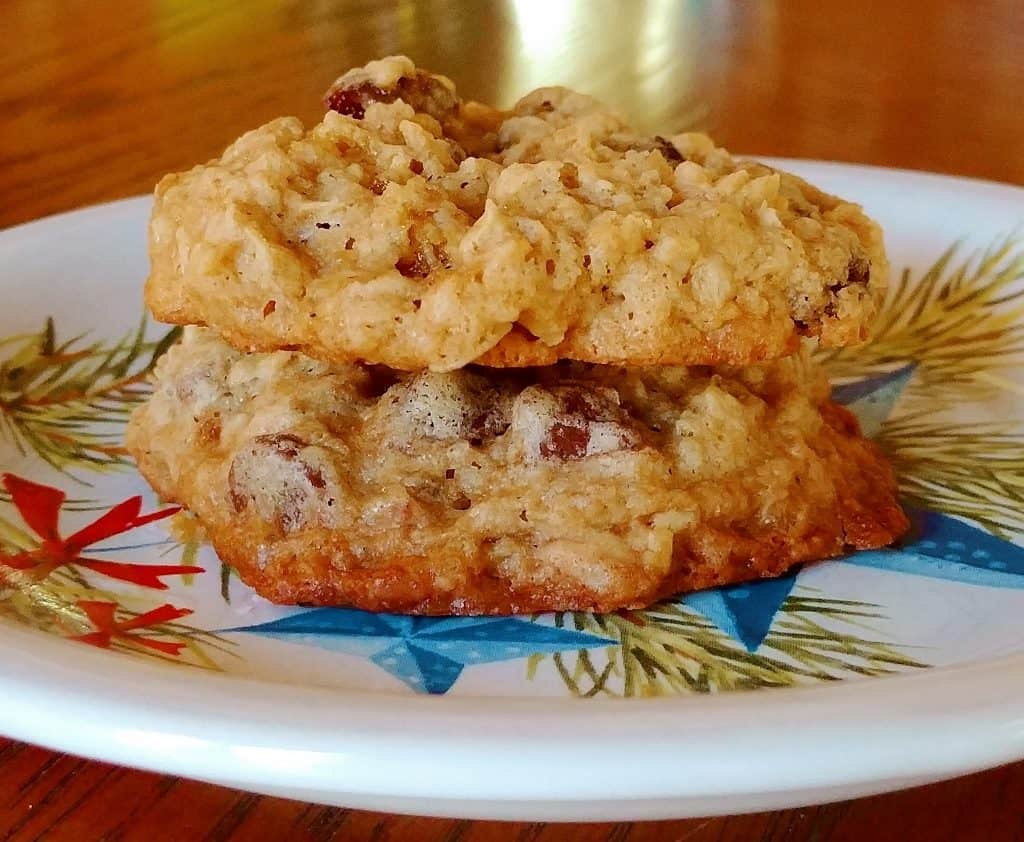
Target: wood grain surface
<point>99,99</point>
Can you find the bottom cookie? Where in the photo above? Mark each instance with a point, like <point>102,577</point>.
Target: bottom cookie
<point>483,491</point>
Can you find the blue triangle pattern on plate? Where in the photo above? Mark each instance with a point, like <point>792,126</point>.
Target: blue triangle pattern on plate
<point>421,670</point>
<point>428,654</point>
<point>945,547</point>
<point>744,612</point>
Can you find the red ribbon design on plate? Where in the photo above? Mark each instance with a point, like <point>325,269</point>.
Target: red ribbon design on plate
<point>40,505</point>
<point>103,615</point>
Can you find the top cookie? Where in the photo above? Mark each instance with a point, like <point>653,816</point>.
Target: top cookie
<point>413,229</point>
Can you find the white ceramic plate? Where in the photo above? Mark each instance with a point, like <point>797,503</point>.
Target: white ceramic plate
<point>880,671</point>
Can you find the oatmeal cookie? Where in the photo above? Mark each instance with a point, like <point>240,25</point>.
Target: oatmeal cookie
<point>486,491</point>
<point>412,229</point>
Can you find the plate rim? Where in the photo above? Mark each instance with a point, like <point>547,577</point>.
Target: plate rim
<point>179,713</point>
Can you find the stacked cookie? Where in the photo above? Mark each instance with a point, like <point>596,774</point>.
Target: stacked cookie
<point>448,359</point>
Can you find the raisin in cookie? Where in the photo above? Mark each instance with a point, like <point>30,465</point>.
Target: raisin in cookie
<point>412,229</point>
<point>482,491</point>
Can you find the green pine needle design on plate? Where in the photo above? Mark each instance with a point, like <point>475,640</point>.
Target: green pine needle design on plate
<point>962,323</point>
<point>671,649</point>
<point>67,401</point>
<point>976,471</point>
<point>188,538</point>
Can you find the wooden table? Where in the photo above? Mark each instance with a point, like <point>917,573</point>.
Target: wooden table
<point>99,99</point>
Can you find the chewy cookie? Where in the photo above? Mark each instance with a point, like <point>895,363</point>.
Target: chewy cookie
<point>484,492</point>
<point>412,229</point>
